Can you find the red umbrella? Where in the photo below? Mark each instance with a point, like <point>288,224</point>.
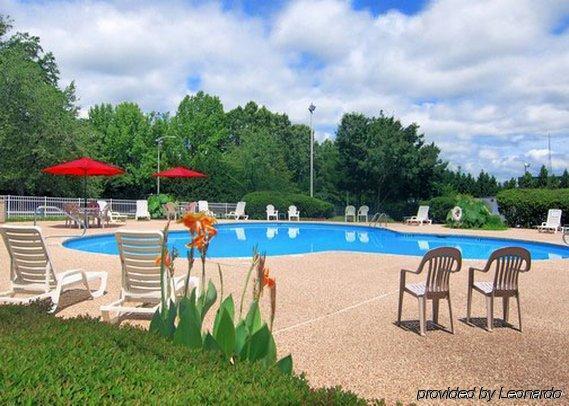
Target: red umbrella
<point>179,172</point>
<point>84,167</point>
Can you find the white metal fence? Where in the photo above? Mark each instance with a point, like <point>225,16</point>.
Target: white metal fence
<point>25,206</point>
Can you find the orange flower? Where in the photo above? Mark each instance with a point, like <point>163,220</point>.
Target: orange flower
<point>167,260</point>
<point>198,223</point>
<point>267,280</point>
<point>199,242</point>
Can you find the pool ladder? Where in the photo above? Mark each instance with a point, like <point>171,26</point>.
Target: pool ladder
<point>45,210</point>
<point>376,220</point>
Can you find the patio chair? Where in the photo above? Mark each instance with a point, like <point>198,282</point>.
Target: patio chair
<point>553,222</point>
<point>140,276</point>
<point>363,213</point>
<point>189,207</point>
<point>272,213</point>
<point>72,209</point>
<point>108,216</point>
<point>239,212</point>
<point>293,213</point>
<point>440,263</point>
<point>421,218</point>
<point>32,271</point>
<point>350,213</point>
<point>203,207</point>
<point>142,210</point>
<point>171,210</point>
<point>507,263</point>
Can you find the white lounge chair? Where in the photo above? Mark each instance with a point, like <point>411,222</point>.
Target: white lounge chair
<point>363,213</point>
<point>31,269</point>
<point>239,212</point>
<point>272,213</point>
<point>203,207</point>
<point>553,222</point>
<point>108,215</point>
<point>141,275</point>
<point>421,218</point>
<point>350,213</point>
<point>142,210</point>
<point>293,213</point>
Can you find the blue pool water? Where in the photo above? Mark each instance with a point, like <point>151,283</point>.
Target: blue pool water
<point>238,240</point>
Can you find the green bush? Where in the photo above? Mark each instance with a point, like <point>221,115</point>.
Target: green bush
<point>309,207</point>
<point>439,207</point>
<point>397,210</point>
<point>48,360</point>
<point>528,207</point>
<point>155,203</point>
<point>475,214</point>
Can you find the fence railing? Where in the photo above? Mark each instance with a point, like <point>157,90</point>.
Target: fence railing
<point>25,206</point>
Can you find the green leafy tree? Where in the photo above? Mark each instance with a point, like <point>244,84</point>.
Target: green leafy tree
<point>542,178</point>
<point>564,180</point>
<point>527,181</point>
<point>326,173</point>
<point>38,123</point>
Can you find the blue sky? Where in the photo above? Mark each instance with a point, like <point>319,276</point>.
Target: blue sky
<point>486,80</point>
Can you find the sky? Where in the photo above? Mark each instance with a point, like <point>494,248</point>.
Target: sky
<point>486,80</point>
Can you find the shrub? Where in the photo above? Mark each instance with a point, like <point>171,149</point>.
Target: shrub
<point>475,214</point>
<point>309,207</point>
<point>155,203</point>
<point>49,360</point>
<point>398,210</point>
<point>439,207</point>
<point>528,207</point>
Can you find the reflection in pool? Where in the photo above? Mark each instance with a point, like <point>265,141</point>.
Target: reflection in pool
<point>238,240</point>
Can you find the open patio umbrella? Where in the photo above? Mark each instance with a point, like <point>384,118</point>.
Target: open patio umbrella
<point>84,167</point>
<point>179,172</point>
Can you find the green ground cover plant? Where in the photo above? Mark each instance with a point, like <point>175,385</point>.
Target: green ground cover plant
<point>475,214</point>
<point>48,360</point>
<point>528,207</point>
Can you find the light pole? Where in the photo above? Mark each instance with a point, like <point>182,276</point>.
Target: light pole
<point>311,109</point>
<point>159,142</point>
<point>526,167</point>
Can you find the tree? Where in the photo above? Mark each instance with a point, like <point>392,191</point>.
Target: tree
<point>527,181</point>
<point>38,123</point>
<point>564,180</point>
<point>542,179</point>
<point>385,161</point>
<point>510,184</point>
<point>326,175</point>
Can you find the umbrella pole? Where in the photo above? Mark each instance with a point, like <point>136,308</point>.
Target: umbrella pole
<point>86,220</point>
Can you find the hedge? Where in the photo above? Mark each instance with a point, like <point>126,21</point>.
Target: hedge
<point>309,207</point>
<point>48,360</point>
<point>528,207</point>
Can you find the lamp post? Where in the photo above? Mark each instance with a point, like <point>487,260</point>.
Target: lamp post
<point>159,142</point>
<point>311,109</point>
<point>526,167</point>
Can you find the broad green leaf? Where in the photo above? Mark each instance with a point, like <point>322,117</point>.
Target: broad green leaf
<point>208,300</point>
<point>253,319</point>
<point>188,331</point>
<point>259,345</point>
<point>241,335</point>
<point>225,336</point>
<point>156,323</point>
<point>285,365</point>
<point>209,343</point>
<point>226,305</point>
<point>271,356</point>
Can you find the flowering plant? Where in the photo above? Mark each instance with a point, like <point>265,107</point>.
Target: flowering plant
<point>237,338</point>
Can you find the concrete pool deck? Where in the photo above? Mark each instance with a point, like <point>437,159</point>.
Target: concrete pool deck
<point>336,313</point>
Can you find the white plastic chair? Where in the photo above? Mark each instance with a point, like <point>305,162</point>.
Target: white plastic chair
<point>363,213</point>
<point>421,218</point>
<point>293,213</point>
<point>272,213</point>
<point>32,272</point>
<point>142,210</point>
<point>350,213</point>
<point>203,207</point>
<point>141,275</point>
<point>553,222</point>
<point>239,212</point>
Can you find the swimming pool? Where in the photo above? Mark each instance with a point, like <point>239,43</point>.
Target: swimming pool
<point>283,238</point>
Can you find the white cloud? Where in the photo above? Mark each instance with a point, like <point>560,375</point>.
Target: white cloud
<point>487,80</point>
